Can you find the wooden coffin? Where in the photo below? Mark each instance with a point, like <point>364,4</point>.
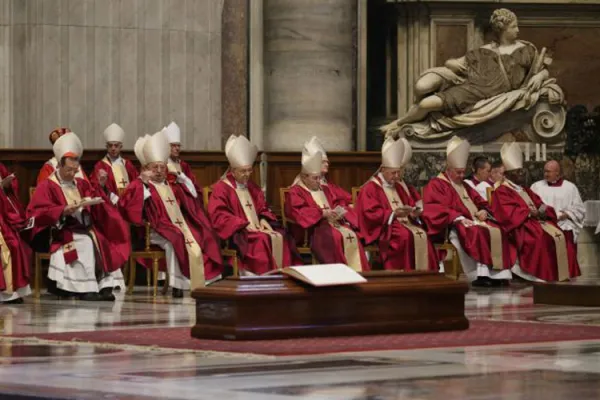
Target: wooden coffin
<point>567,294</point>
<point>279,307</point>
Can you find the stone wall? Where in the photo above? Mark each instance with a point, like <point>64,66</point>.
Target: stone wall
<point>87,63</point>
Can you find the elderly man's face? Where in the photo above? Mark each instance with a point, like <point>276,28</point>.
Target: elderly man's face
<point>456,175</point>
<point>311,181</point>
<point>242,174</point>
<point>114,149</point>
<point>551,171</point>
<point>391,175</point>
<point>68,169</point>
<point>175,150</point>
<point>325,166</point>
<point>159,171</point>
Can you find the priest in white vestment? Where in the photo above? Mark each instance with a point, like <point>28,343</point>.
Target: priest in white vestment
<point>563,196</point>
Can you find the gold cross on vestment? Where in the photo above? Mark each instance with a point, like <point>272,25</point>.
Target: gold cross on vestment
<point>395,202</point>
<point>189,242</point>
<point>179,223</point>
<point>123,182</point>
<point>350,238</point>
<point>325,207</point>
<point>557,235</point>
<point>170,201</point>
<point>419,233</point>
<point>69,247</point>
<point>248,204</point>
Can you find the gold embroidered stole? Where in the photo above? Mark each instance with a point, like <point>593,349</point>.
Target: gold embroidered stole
<point>243,195</point>
<point>495,233</point>
<point>420,247</point>
<point>173,167</point>
<point>350,240</point>
<point>72,196</point>
<point>119,172</point>
<point>560,242</point>
<point>6,258</point>
<point>194,251</point>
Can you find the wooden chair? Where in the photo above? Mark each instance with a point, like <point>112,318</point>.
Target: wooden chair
<point>305,248</point>
<point>152,252</point>
<point>226,250</point>
<point>372,249</point>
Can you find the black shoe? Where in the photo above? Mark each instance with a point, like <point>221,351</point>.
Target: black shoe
<point>61,294</point>
<point>18,300</point>
<point>177,293</point>
<point>91,296</point>
<point>106,294</point>
<point>482,282</point>
<point>501,282</point>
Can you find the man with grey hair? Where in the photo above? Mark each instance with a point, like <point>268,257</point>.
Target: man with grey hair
<point>563,196</point>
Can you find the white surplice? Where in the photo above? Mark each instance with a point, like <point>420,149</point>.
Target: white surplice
<point>481,188</point>
<point>564,199</point>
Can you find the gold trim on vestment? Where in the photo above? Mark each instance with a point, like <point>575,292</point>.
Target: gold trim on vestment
<point>495,233</point>
<point>194,251</point>
<point>350,240</point>
<point>6,265</point>
<point>245,199</point>
<point>119,172</point>
<point>421,249</point>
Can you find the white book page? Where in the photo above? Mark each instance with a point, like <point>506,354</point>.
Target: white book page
<point>328,274</point>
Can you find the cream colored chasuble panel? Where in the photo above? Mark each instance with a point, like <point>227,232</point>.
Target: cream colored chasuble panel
<point>6,265</point>
<point>351,248</point>
<point>173,167</point>
<point>420,247</point>
<point>495,233</point>
<point>72,196</point>
<point>243,195</point>
<point>560,242</point>
<point>119,172</point>
<point>195,258</point>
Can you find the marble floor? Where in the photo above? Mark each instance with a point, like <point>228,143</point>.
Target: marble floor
<point>32,368</point>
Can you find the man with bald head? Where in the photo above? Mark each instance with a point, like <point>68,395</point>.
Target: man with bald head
<point>563,196</point>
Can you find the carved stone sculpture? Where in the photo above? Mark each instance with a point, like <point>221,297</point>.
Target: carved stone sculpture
<point>501,86</point>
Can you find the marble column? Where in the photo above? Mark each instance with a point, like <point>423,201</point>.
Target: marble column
<point>309,73</point>
<point>234,68</point>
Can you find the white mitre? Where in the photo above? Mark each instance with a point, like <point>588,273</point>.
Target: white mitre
<point>392,153</point>
<point>68,145</point>
<point>173,133</point>
<point>311,163</point>
<point>114,133</point>
<point>512,156</point>
<point>240,152</point>
<point>407,152</point>
<point>138,148</point>
<point>457,152</point>
<point>156,148</point>
<point>314,145</point>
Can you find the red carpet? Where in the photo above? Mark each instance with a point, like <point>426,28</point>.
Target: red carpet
<point>481,333</point>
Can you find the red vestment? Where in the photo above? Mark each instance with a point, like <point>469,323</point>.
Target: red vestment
<point>326,242</point>
<point>12,192</point>
<point>20,252</point>
<point>342,197</point>
<point>229,220</point>
<point>536,249</point>
<point>135,210</point>
<point>443,206</point>
<point>396,241</point>
<point>111,231</point>
<point>111,184</point>
<point>187,170</point>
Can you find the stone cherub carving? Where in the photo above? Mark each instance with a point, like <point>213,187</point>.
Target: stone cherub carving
<point>497,79</point>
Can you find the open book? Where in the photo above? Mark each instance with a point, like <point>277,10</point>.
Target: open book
<point>325,274</point>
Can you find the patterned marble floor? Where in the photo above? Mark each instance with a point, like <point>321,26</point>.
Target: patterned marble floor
<point>31,369</point>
